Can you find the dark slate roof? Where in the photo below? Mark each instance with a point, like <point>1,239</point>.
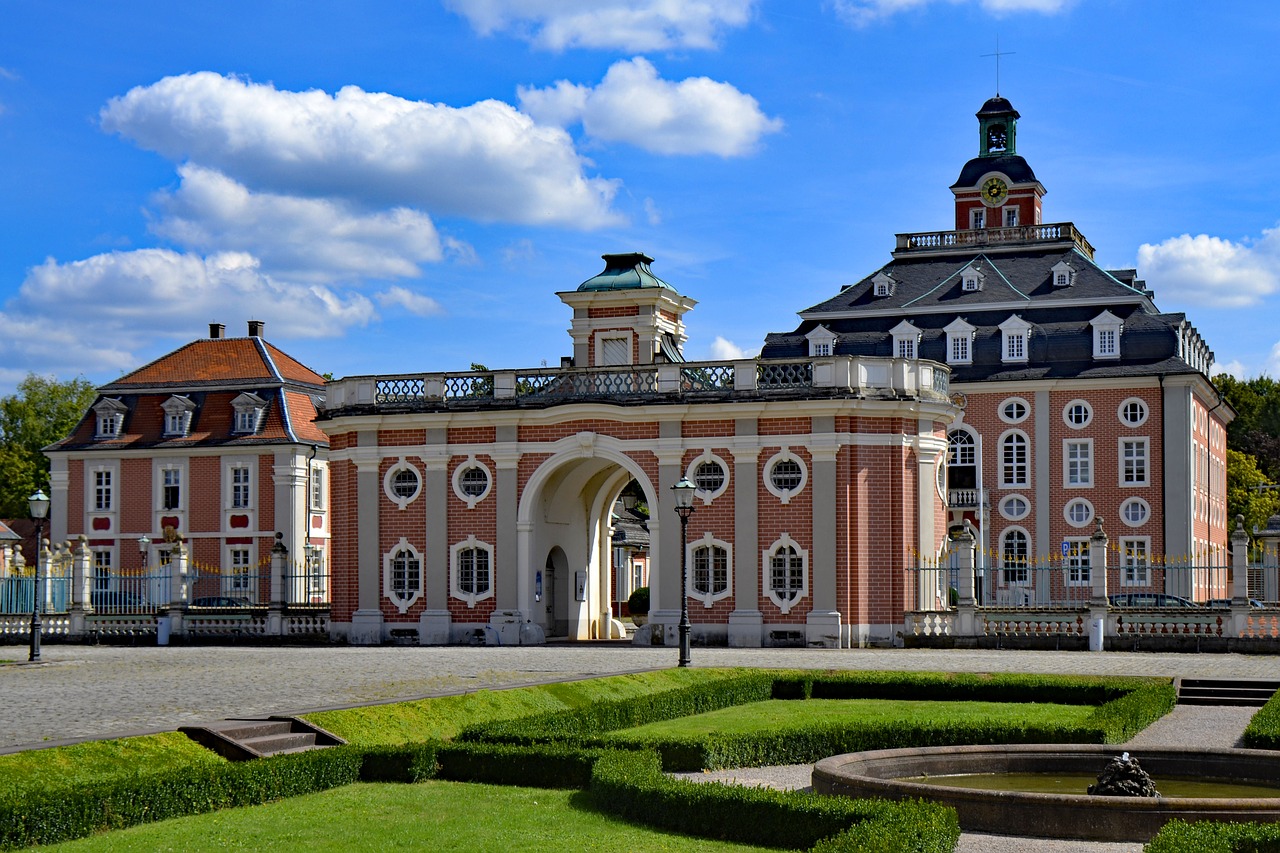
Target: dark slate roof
<point>998,106</point>
<point>1011,165</point>
<point>928,293</point>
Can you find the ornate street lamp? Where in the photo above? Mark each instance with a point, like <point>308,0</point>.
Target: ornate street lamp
<point>144,550</point>
<point>683,492</point>
<point>39,506</point>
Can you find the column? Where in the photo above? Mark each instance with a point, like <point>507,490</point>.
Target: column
<point>966,603</point>
<point>822,624</point>
<point>1239,579</point>
<point>1098,578</point>
<point>664,571</point>
<point>746,622</point>
<point>434,625</point>
<point>366,622</point>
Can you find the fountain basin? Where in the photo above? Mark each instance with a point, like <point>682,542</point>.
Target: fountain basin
<point>882,773</point>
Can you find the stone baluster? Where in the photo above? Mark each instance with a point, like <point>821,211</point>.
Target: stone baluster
<point>966,602</point>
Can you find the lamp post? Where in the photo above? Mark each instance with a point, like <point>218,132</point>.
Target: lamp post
<point>39,506</point>
<point>683,492</point>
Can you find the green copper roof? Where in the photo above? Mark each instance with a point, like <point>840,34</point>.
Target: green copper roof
<point>628,271</point>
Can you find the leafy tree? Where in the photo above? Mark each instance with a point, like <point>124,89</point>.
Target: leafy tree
<point>1243,495</point>
<point>42,411</point>
<point>1256,429</point>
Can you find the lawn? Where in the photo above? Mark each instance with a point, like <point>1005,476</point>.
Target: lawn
<point>782,715</point>
<point>436,816</point>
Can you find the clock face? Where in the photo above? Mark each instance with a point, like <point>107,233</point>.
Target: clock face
<point>994,191</point>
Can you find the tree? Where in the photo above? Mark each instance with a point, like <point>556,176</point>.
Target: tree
<point>1256,429</point>
<point>1243,495</point>
<point>42,411</point>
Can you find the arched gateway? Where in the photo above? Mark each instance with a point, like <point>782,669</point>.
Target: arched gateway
<point>480,503</point>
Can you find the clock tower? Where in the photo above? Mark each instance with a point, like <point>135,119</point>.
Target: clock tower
<point>997,189</point>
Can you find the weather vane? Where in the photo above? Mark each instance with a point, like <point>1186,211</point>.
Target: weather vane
<point>997,55</point>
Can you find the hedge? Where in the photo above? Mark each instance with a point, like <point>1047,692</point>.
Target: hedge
<point>632,786</point>
<point>959,687</point>
<point>1263,731</point>
<point>1213,837</point>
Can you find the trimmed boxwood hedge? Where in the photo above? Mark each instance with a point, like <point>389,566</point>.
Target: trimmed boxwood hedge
<point>1263,731</point>
<point>1212,837</point>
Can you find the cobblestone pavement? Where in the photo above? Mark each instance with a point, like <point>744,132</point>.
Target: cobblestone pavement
<point>103,691</point>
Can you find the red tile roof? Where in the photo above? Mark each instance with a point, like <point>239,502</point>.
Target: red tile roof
<point>218,360</point>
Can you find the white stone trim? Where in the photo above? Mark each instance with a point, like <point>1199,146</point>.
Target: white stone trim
<point>707,456</point>
<point>766,557</point>
<point>179,407</point>
<point>708,541</point>
<point>401,604</point>
<point>1066,413</point>
<point>455,570</point>
<point>1028,462</point>
<point>1007,514</point>
<point>1128,401</point>
<point>471,500</point>
<point>387,479</point>
<point>1066,512</point>
<point>1143,440</point>
<point>1012,329</point>
<point>1135,501</point>
<point>767,469</point>
<point>818,338</point>
<point>1090,458</point>
<point>1026,410</point>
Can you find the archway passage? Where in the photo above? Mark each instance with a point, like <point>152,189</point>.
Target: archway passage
<point>567,545</point>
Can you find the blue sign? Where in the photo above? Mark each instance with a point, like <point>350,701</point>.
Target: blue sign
<point>1066,548</point>
<point>537,586</point>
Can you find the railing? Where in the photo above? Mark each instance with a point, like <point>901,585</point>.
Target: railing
<point>932,241</point>
<point>858,375</point>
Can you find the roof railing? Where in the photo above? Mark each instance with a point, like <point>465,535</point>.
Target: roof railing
<point>1012,236</point>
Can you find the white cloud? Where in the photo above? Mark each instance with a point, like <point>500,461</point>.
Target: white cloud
<point>634,105</point>
<point>486,161</point>
<point>299,238</point>
<point>97,314</point>
<point>863,12</point>
<point>397,297</point>
<point>633,25</point>
<point>723,349</point>
<point>1204,270</point>
<point>651,212</point>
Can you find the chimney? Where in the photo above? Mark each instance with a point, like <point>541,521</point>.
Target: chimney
<point>255,328</point>
<point>216,331</point>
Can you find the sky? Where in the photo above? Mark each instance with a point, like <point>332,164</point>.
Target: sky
<point>401,187</point>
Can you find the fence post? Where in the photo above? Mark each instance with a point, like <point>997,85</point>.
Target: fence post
<point>1270,539</point>
<point>275,606</point>
<point>966,604</point>
<point>178,564</point>
<point>1239,579</point>
<point>80,580</point>
<point>1098,578</point>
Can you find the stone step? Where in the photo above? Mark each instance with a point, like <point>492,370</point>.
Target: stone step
<point>240,740</point>
<point>1226,691</point>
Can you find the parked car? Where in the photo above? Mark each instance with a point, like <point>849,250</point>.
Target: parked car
<point>117,601</point>
<point>1149,600</point>
<point>1226,602</point>
<point>220,601</point>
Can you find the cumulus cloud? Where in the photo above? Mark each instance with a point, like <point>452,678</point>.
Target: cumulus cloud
<point>723,349</point>
<point>621,24</point>
<point>1205,270</point>
<point>401,298</point>
<point>486,161</point>
<point>633,104</point>
<point>863,12</point>
<point>299,238</point>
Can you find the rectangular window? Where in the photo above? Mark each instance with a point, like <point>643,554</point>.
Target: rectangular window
<point>317,488</point>
<point>822,349</point>
<point>103,495</point>
<point>906,348</point>
<point>241,491</point>
<point>1014,461</point>
<point>247,420</point>
<point>710,570</point>
<point>1106,342</point>
<point>1133,461</point>
<point>240,576</point>
<point>171,489</point>
<point>1078,462</point>
<point>175,424</point>
<point>1015,348</point>
<point>1077,562</point>
<point>101,570</point>
<point>473,571</point>
<point>615,351</point>
<point>960,349</point>
<point>1011,217</point>
<point>978,218</point>
<point>1135,563</point>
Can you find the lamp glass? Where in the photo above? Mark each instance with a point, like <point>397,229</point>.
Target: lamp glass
<point>144,543</point>
<point>684,491</point>
<point>38,504</point>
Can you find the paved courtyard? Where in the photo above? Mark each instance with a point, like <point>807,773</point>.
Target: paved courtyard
<point>94,692</point>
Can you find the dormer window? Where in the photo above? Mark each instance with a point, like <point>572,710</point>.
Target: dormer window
<point>177,415</point>
<point>822,341</point>
<point>959,342</point>
<point>110,418</point>
<point>249,409</point>
<point>1015,340</point>
<point>906,340</point>
<point>1064,275</point>
<point>1106,335</point>
<point>971,279</point>
<point>882,285</point>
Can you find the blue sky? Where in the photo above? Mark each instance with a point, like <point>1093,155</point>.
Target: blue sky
<point>403,186</point>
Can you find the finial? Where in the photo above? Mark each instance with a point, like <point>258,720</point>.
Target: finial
<point>997,55</point>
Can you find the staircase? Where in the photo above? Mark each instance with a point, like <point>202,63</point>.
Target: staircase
<point>1249,692</point>
<point>240,740</point>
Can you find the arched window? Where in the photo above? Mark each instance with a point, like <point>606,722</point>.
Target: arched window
<point>786,578</point>
<point>1015,556</point>
<point>1013,460</point>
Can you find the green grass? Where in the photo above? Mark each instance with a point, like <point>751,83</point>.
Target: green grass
<point>443,718</point>
<point>436,816</point>
<point>94,761</point>
<point>782,715</point>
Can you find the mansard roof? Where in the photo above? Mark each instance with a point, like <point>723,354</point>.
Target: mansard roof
<point>930,296</point>
<point>219,361</point>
